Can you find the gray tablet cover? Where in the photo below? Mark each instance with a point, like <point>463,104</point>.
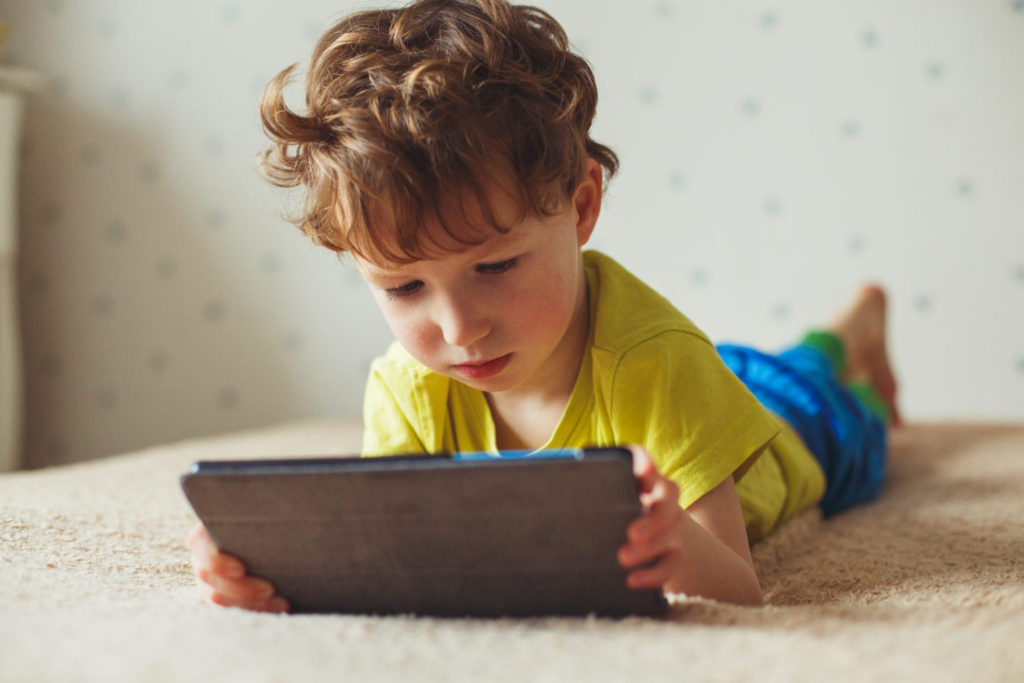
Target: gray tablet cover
<point>436,535</point>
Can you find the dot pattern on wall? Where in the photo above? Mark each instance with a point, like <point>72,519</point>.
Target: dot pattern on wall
<point>888,85</point>
<point>774,157</point>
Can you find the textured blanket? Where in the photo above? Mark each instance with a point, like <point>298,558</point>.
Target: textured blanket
<point>927,583</point>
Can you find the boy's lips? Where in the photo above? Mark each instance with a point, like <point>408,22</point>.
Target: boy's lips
<point>485,369</point>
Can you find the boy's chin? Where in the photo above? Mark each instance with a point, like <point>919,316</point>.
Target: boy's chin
<point>491,385</point>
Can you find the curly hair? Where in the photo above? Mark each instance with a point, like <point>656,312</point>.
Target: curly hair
<point>410,109</point>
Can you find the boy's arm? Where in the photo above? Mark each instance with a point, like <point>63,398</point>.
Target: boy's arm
<point>701,551</point>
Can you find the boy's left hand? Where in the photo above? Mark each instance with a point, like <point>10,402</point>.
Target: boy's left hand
<point>655,545</point>
<point>702,551</point>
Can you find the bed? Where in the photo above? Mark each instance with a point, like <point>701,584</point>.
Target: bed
<point>927,583</point>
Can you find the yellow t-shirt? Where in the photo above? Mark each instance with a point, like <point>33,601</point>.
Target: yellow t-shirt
<point>649,377</point>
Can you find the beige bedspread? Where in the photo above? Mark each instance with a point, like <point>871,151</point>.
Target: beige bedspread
<point>925,584</point>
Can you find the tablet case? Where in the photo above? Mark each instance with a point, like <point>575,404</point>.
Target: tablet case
<point>466,535</point>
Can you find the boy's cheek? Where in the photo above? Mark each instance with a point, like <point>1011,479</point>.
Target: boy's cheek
<point>419,342</point>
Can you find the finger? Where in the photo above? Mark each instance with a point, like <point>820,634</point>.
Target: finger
<point>251,597</point>
<point>663,492</point>
<point>639,553</point>
<point>274,604</point>
<point>195,535</point>
<point>226,565</point>
<point>653,536</point>
<point>207,556</point>
<point>644,469</point>
<point>655,532</point>
<point>661,517</point>
<point>649,577</point>
<point>249,589</point>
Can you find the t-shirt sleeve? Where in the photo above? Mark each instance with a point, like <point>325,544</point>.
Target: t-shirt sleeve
<point>387,430</point>
<point>673,395</point>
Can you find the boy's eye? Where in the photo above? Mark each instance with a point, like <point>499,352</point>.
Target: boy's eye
<point>497,268</point>
<point>407,289</point>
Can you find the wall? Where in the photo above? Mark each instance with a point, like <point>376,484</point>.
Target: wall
<point>774,156</point>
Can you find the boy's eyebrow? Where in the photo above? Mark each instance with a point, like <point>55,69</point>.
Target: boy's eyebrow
<point>484,252</point>
<point>368,267</point>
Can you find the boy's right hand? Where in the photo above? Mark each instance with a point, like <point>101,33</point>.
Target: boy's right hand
<point>223,581</point>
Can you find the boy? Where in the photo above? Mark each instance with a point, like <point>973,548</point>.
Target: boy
<point>446,147</point>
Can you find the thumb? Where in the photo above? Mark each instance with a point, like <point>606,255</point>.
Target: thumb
<point>644,468</point>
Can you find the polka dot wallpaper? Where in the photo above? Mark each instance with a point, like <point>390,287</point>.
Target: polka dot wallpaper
<point>774,156</point>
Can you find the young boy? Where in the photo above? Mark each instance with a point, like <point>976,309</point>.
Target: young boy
<point>446,148</point>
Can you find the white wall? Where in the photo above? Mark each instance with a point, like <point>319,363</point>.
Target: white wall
<point>774,156</point>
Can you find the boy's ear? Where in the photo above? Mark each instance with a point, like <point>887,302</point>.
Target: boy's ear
<point>586,201</point>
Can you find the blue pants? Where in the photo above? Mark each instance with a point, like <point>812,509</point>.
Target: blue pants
<point>801,386</point>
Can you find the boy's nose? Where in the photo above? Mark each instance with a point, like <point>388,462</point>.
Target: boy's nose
<point>462,323</point>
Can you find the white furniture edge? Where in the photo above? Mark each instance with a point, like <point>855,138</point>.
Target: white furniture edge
<point>21,80</point>
<point>15,83</point>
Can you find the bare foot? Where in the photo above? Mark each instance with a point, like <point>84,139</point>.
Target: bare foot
<point>862,329</point>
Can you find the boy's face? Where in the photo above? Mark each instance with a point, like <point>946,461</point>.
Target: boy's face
<point>509,315</point>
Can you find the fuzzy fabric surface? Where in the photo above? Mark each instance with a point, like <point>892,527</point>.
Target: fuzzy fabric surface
<point>927,583</point>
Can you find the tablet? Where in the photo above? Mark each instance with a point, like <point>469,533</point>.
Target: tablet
<point>516,534</point>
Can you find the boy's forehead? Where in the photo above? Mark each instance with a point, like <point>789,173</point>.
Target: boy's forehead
<point>443,246</point>
<point>460,221</point>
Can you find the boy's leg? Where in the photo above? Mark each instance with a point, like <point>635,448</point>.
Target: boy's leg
<point>830,347</point>
<point>862,328</point>
<point>844,426</point>
<point>855,347</point>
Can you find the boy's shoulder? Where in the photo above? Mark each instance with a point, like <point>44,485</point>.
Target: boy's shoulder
<point>626,312</point>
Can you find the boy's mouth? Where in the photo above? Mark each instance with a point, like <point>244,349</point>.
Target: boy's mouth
<point>483,370</point>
